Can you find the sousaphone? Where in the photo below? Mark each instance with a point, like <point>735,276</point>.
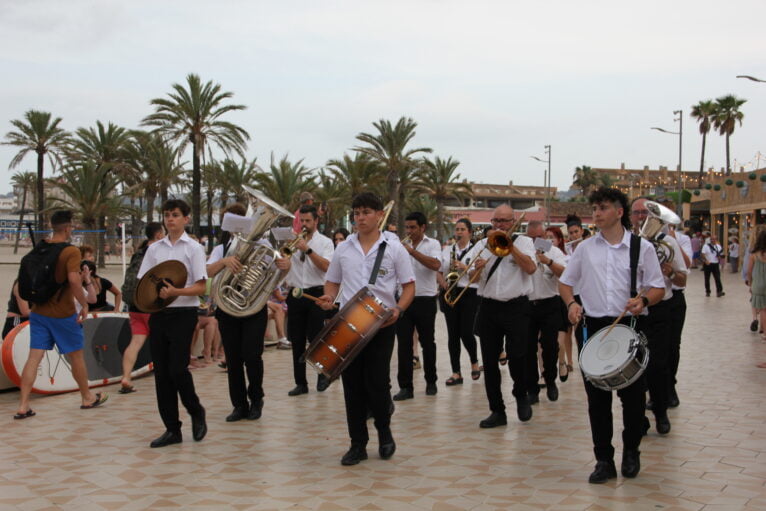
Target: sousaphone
<point>147,295</point>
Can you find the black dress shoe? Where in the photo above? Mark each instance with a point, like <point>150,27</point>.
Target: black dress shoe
<point>255,410</point>
<point>494,420</point>
<point>431,389</point>
<point>663,425</point>
<point>167,438</point>
<point>523,410</point>
<point>673,401</point>
<point>552,391</point>
<point>298,390</point>
<point>533,398</point>
<point>754,325</point>
<point>354,455</point>
<point>604,471</point>
<point>237,414</point>
<point>387,450</point>
<point>404,394</point>
<point>199,426</point>
<point>645,426</point>
<point>631,462</point>
<point>322,383</point>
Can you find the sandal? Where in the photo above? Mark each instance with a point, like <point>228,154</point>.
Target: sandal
<point>100,400</point>
<point>126,389</point>
<point>570,368</point>
<point>416,363</point>
<point>28,413</point>
<point>475,375</point>
<point>503,359</point>
<point>454,381</point>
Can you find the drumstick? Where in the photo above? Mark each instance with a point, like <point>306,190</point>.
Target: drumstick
<point>619,318</point>
<point>315,299</point>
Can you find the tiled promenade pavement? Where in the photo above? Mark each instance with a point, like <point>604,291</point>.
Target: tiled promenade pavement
<point>714,458</point>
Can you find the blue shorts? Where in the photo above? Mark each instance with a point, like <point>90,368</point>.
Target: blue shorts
<point>66,333</point>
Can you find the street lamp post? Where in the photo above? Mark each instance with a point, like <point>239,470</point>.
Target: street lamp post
<point>680,175</point>
<point>547,184</point>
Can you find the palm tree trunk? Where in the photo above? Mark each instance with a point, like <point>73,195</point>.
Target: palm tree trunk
<point>100,241</point>
<point>440,219</point>
<point>210,240</point>
<point>21,219</point>
<point>702,159</point>
<point>728,165</point>
<point>150,197</point>
<point>196,189</point>
<point>40,191</point>
<point>393,194</point>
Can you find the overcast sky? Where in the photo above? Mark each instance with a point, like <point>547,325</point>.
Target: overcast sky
<point>489,83</point>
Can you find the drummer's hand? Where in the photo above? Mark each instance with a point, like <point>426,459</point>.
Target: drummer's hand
<point>666,268</point>
<point>393,319</point>
<point>326,302</point>
<point>168,291</point>
<point>635,305</point>
<point>232,263</point>
<point>575,313</point>
<point>283,263</point>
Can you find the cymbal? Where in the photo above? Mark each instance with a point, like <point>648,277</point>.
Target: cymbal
<point>147,295</point>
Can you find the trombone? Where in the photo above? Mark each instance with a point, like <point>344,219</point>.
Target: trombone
<point>499,243</point>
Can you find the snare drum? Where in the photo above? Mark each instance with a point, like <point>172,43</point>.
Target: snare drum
<point>615,361</point>
<point>344,336</point>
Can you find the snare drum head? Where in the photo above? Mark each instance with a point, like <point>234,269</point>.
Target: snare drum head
<point>601,355</point>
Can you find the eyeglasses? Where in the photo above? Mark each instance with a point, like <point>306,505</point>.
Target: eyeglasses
<point>501,220</point>
<point>640,212</point>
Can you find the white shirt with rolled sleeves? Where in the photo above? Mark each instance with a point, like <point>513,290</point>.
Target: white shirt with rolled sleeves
<point>305,274</point>
<point>601,272</point>
<point>545,283</point>
<point>446,259</point>
<point>186,250</point>
<point>425,278</point>
<point>352,267</point>
<point>508,281</point>
<point>678,264</point>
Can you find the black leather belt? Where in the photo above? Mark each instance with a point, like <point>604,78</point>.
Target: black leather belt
<point>543,300</point>
<point>518,299</point>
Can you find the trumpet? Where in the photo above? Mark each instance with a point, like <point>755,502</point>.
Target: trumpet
<point>499,243</point>
<point>406,239</point>
<point>290,248</point>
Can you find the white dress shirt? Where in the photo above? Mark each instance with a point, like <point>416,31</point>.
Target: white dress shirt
<point>685,242</point>
<point>186,250</point>
<point>425,278</point>
<point>305,274</point>
<point>711,252</point>
<point>217,253</point>
<point>678,264</point>
<point>447,260</point>
<point>602,273</point>
<point>352,267</point>
<point>509,281</point>
<point>545,283</point>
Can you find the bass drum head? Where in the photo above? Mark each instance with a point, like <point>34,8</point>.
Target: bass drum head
<point>602,356</point>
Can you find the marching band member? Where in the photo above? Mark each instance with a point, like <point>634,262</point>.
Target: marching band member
<point>421,314</point>
<point>366,258</point>
<point>678,313</point>
<point>242,337</point>
<point>460,317</point>
<point>304,317</point>
<point>545,316</point>
<point>658,327</point>
<point>504,316</point>
<point>601,270</point>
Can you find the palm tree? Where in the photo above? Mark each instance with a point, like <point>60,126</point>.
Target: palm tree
<point>193,115</point>
<point>234,176</point>
<point>725,120</point>
<point>212,177</point>
<point>158,165</point>
<point>586,179</point>
<point>332,193</point>
<point>389,148</point>
<point>356,175</point>
<point>704,112</point>
<point>440,180</point>
<point>285,181</point>
<point>43,136</point>
<point>26,181</point>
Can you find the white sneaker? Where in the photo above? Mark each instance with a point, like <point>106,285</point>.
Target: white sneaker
<point>284,344</point>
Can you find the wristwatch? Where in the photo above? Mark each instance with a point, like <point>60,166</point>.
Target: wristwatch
<point>309,251</point>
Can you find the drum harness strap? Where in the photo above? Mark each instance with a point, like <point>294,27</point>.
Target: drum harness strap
<point>635,248</point>
<point>378,262</point>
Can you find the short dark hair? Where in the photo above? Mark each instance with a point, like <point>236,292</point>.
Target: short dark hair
<point>367,200</point>
<point>91,265</point>
<point>61,217</point>
<point>417,216</point>
<point>617,198</point>
<point>236,208</point>
<point>151,230</point>
<point>309,208</point>
<point>171,204</point>
<point>467,223</point>
<point>341,230</point>
<point>573,220</point>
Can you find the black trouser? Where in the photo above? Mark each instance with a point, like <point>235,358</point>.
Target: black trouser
<point>503,325</point>
<point>460,319</point>
<point>716,271</point>
<point>678,317</point>
<point>657,327</point>
<point>420,315</point>
<point>170,343</point>
<point>633,399</point>
<point>242,340</point>
<point>304,321</point>
<point>367,386</point>
<point>544,323</point>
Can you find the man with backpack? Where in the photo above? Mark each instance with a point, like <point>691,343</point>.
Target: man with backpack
<point>49,278</point>
<point>139,321</point>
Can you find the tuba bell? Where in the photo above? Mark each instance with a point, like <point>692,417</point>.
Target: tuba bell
<point>245,293</point>
<point>659,216</point>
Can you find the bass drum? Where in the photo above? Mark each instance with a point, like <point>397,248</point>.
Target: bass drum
<point>614,361</point>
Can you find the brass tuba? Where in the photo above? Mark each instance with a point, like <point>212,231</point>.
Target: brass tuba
<point>245,293</point>
<point>659,216</point>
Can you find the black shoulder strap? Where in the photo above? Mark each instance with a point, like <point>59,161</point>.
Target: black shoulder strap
<point>464,252</point>
<point>635,248</point>
<point>378,262</point>
<point>494,267</point>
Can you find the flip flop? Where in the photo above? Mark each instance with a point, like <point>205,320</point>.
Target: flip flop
<point>503,360</point>
<point>100,400</point>
<point>126,390</point>
<point>475,375</point>
<point>28,413</point>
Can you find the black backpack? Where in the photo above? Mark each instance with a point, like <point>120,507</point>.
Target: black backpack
<point>37,274</point>
<point>131,276</point>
